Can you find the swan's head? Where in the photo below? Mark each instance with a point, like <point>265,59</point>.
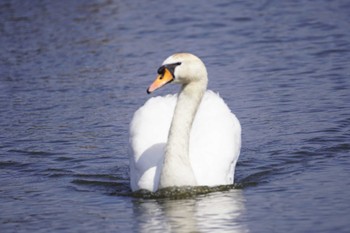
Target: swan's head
<point>182,68</point>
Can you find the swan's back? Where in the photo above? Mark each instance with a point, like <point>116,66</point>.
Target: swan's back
<point>149,130</point>
<point>214,143</point>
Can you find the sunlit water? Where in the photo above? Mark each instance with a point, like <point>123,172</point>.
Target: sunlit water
<point>73,72</point>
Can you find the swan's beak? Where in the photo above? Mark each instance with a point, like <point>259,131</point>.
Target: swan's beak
<point>161,80</point>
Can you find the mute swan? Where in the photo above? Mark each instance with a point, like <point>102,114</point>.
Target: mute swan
<point>189,139</point>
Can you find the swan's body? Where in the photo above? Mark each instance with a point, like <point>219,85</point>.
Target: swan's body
<point>187,139</point>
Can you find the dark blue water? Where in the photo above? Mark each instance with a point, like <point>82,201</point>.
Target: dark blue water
<point>73,72</point>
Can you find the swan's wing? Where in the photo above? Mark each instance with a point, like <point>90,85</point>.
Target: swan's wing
<point>215,142</point>
<point>148,135</point>
<point>214,145</point>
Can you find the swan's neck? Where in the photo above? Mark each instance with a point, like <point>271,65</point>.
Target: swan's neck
<point>177,169</point>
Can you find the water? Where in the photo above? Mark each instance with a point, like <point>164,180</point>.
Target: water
<point>73,72</point>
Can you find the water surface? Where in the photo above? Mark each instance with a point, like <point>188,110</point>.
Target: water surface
<point>72,74</point>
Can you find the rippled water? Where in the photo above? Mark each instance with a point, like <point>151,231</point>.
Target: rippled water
<point>73,72</point>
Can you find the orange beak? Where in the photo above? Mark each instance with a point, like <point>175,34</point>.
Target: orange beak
<point>161,80</point>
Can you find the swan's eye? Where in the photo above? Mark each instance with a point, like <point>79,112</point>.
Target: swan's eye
<point>161,70</point>
<point>171,67</point>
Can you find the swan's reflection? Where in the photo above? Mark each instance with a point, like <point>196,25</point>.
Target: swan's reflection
<point>215,212</point>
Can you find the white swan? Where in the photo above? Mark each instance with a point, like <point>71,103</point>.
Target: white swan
<point>189,139</point>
